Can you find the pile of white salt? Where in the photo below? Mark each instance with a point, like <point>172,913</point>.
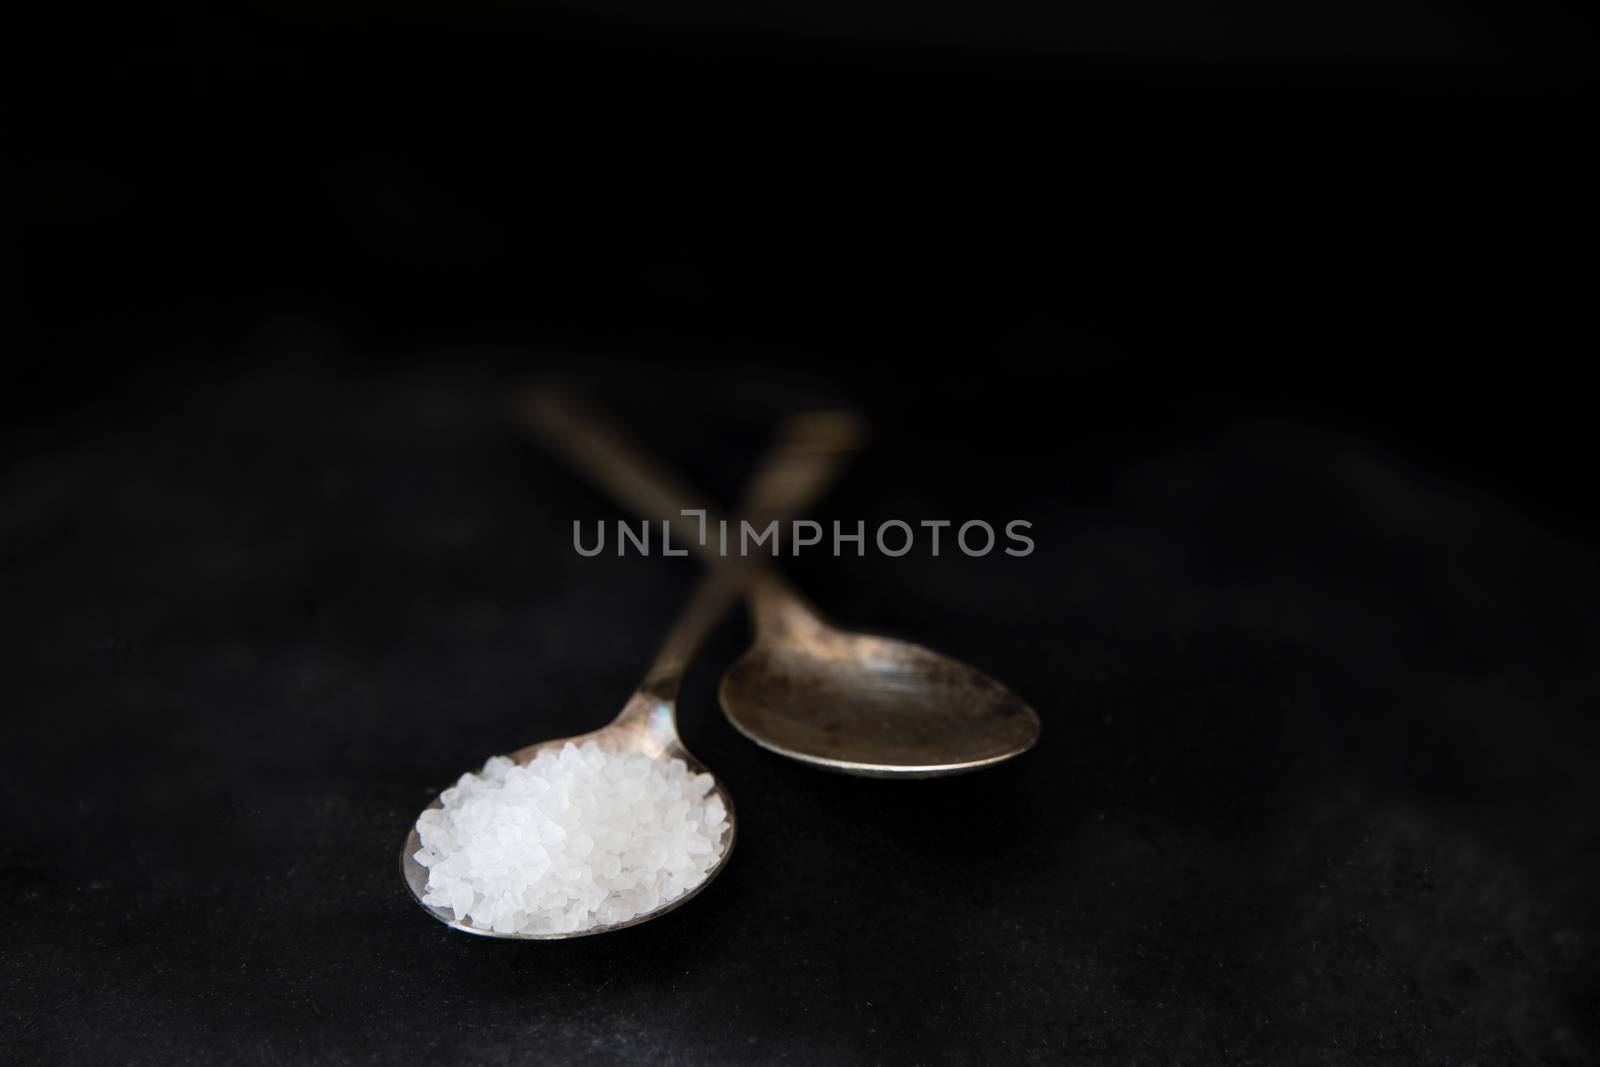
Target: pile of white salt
<point>570,840</point>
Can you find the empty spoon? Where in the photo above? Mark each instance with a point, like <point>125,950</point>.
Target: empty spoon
<point>794,475</point>
<point>806,689</point>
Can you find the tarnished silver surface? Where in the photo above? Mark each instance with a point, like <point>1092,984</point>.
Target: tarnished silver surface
<point>865,705</point>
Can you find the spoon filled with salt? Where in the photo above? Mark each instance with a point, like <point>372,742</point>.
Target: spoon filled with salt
<point>807,689</point>
<point>587,834</point>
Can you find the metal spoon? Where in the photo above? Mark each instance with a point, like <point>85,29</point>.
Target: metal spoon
<point>793,476</point>
<point>844,701</point>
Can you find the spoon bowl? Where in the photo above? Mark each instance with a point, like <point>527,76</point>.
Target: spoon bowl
<point>646,728</point>
<point>873,706</point>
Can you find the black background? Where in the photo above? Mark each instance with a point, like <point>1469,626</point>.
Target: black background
<point>1270,321</point>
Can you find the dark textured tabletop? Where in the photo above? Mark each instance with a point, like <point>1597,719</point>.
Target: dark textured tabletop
<point>1266,317</point>
<point>1315,784</point>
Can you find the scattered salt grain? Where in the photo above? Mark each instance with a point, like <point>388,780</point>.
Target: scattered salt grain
<point>570,840</point>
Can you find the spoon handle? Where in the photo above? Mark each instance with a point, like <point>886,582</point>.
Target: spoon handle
<point>806,458</point>
<point>599,449</point>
